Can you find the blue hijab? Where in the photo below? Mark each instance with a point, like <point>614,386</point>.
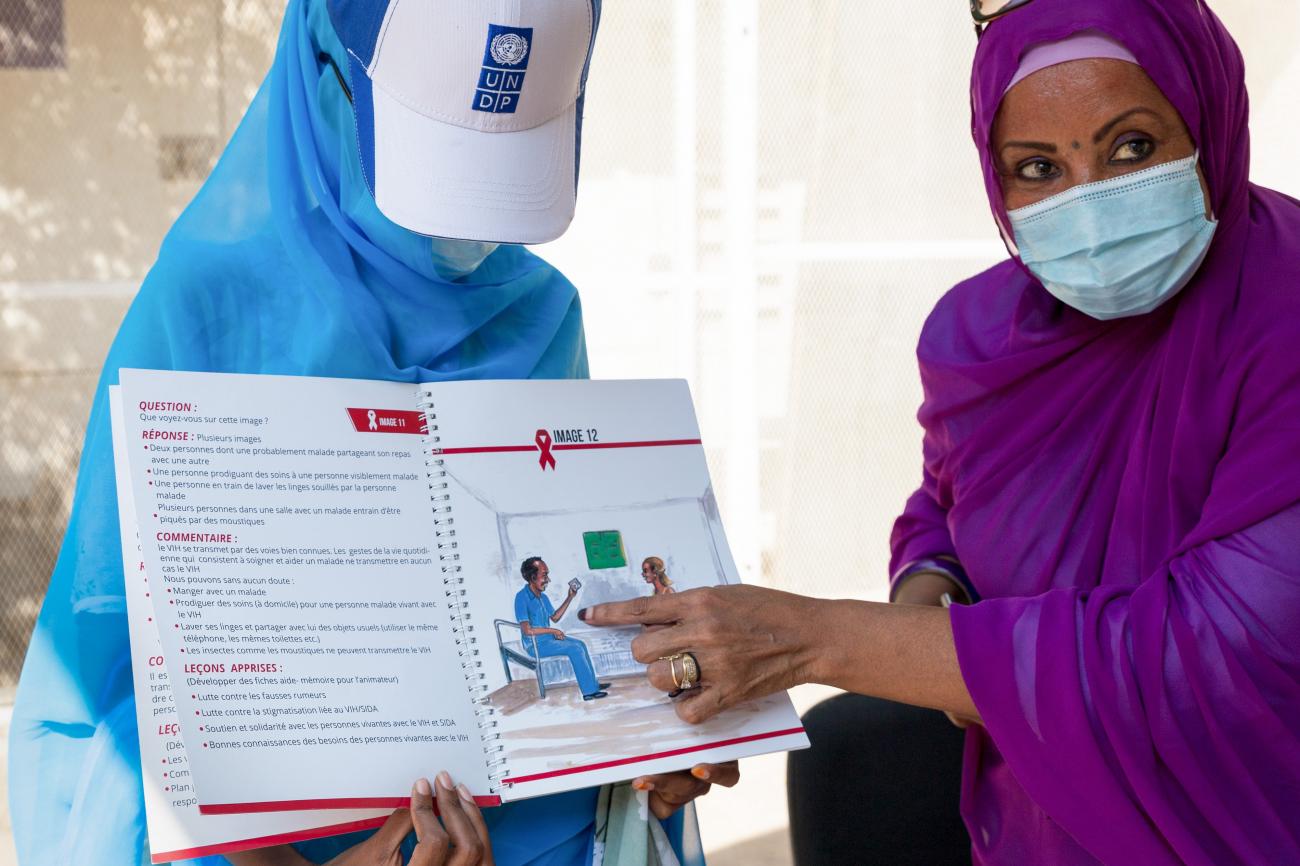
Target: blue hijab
<point>281,264</point>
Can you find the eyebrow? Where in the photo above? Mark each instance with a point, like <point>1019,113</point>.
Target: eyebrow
<point>1031,145</point>
<point>1105,130</point>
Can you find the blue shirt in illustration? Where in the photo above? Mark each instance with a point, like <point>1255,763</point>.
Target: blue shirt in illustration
<point>535,610</point>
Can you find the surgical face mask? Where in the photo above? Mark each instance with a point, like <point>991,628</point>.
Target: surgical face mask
<point>1118,247</point>
<point>453,259</point>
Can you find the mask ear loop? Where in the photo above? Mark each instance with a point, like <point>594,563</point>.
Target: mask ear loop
<point>1007,238</point>
<point>1205,187</point>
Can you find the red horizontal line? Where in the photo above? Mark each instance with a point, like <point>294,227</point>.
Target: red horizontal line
<point>263,841</point>
<point>584,446</point>
<point>519,780</point>
<point>574,446</point>
<point>488,449</point>
<point>329,803</point>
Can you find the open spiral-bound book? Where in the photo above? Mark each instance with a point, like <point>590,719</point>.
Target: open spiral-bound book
<point>326,600</point>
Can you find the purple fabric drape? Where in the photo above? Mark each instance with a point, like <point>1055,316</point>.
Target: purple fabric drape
<point>1125,496</point>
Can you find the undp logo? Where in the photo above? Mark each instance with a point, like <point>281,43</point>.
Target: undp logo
<point>508,48</point>
<point>501,78</point>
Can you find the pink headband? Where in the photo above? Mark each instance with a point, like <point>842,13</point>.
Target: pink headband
<point>1084,45</point>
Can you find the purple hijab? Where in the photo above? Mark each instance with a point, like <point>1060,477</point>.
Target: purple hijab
<point>1125,497</point>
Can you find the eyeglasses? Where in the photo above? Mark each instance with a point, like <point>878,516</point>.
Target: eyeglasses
<point>984,11</point>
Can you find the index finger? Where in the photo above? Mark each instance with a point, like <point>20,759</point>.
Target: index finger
<point>726,775</point>
<point>389,837</point>
<point>644,610</point>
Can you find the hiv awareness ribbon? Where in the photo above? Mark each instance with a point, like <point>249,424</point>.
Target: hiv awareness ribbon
<point>543,441</point>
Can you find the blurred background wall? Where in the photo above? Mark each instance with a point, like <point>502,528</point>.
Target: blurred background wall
<point>773,195</point>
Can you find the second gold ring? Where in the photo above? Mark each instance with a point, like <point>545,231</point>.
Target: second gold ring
<point>689,677</point>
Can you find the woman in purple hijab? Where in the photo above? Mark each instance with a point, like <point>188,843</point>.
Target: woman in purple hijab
<point>1111,472</point>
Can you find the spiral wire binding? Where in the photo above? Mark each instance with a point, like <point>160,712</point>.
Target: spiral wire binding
<point>449,561</point>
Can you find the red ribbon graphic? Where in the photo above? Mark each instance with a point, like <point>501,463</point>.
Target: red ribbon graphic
<point>543,441</point>
<point>388,421</point>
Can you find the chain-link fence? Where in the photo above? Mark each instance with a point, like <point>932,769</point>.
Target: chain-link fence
<point>31,34</point>
<point>114,113</point>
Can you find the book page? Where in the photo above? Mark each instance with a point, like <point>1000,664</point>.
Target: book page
<point>607,484</point>
<point>286,526</point>
<point>177,831</point>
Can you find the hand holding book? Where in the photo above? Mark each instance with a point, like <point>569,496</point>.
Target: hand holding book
<point>671,791</point>
<point>460,839</point>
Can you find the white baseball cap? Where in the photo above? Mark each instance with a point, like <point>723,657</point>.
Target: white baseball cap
<point>469,112</point>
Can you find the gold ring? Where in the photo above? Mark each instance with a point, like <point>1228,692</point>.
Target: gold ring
<point>672,669</point>
<point>690,675</point>
<point>690,671</point>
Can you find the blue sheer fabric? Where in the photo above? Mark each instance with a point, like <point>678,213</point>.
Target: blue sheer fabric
<point>281,264</point>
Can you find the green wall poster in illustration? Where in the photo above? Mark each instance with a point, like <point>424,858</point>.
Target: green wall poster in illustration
<point>604,549</point>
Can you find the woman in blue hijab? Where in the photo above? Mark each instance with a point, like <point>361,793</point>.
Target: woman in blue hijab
<point>282,264</point>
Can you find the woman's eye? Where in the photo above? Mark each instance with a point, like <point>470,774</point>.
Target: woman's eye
<point>1134,150</point>
<point>1036,169</point>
